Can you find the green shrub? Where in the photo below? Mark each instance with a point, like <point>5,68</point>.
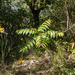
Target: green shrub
<point>40,36</point>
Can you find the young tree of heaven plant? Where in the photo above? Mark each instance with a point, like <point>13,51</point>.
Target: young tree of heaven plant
<point>41,36</point>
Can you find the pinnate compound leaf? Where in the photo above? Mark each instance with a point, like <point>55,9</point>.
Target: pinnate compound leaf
<point>54,34</point>
<point>44,26</point>
<point>41,36</point>
<point>26,31</point>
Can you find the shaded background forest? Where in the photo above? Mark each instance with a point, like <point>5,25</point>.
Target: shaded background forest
<point>37,37</point>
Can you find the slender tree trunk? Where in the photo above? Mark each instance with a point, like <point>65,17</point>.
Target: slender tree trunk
<point>36,17</point>
<point>36,10</point>
<point>67,14</point>
<point>0,3</point>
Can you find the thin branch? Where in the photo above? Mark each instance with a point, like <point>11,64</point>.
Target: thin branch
<point>69,28</point>
<point>67,14</point>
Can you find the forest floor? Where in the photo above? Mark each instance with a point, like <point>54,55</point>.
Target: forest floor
<point>49,63</point>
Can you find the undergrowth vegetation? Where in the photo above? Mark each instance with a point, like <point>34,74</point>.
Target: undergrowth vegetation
<point>40,36</point>
<point>37,37</point>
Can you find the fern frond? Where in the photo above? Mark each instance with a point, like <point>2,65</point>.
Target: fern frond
<point>38,40</point>
<point>41,43</point>
<point>54,34</point>
<point>27,31</point>
<point>44,26</point>
<point>41,36</point>
<point>45,43</point>
<point>41,40</point>
<point>30,44</point>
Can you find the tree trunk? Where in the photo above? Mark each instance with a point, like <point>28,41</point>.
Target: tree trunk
<point>36,10</point>
<point>36,17</point>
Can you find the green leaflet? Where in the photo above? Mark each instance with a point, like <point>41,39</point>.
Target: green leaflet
<point>24,32</point>
<point>60,34</point>
<point>40,29</point>
<point>47,27</point>
<point>53,34</point>
<point>28,46</point>
<point>20,31</point>
<point>30,32</point>
<point>43,35</point>
<point>38,43</point>
<point>31,44</point>
<point>45,44</point>
<point>33,32</point>
<point>26,49</point>
<point>38,38</point>
<point>23,49</point>
<point>27,31</point>
<point>33,41</point>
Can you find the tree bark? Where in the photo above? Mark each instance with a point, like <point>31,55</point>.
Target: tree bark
<point>67,15</point>
<point>36,17</point>
<point>36,10</point>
